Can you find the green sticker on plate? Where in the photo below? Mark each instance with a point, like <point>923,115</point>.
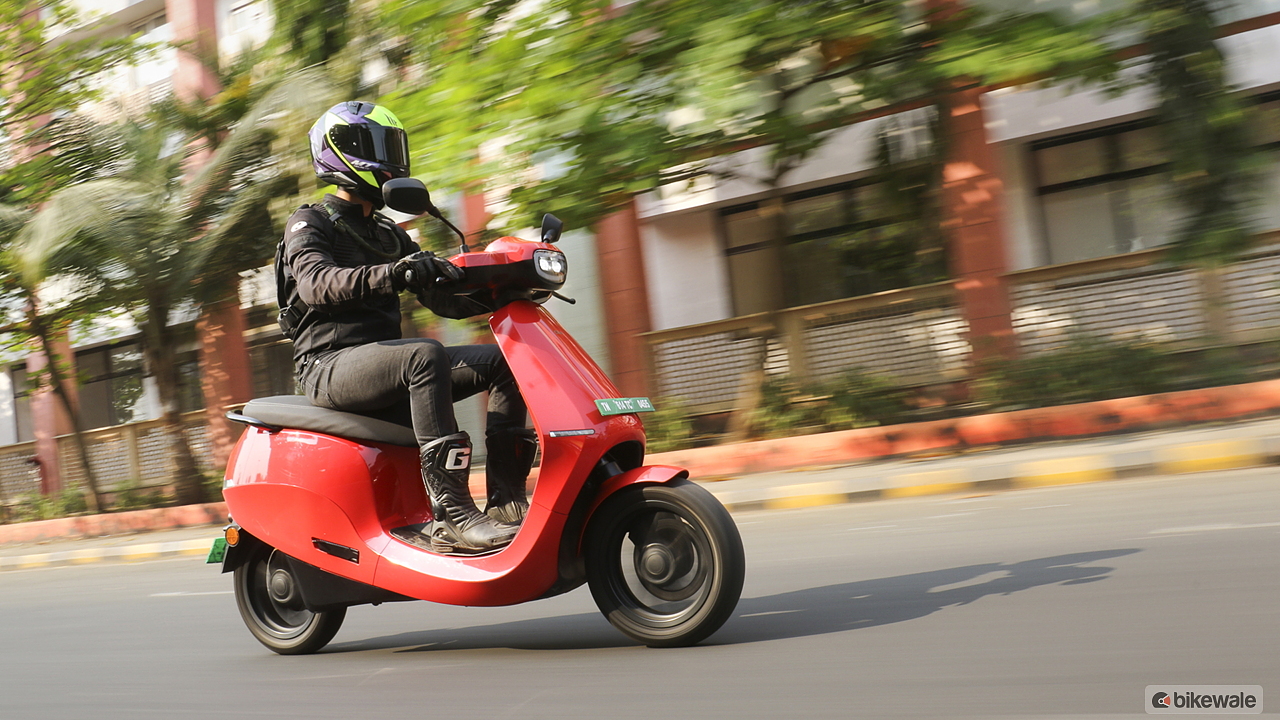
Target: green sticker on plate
<point>218,551</point>
<point>622,406</point>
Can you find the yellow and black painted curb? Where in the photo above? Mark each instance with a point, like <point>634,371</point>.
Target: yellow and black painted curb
<point>119,553</point>
<point>1171,460</point>
<point>1073,470</point>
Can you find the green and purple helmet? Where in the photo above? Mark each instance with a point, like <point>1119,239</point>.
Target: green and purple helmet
<point>359,146</point>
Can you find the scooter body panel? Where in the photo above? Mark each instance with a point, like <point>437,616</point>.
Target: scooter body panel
<point>560,383</point>
<point>291,488</point>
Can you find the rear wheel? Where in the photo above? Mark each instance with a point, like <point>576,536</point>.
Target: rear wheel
<point>270,602</point>
<point>665,563</point>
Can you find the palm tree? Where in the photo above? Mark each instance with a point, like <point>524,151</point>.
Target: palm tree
<point>156,238</point>
<point>44,323</point>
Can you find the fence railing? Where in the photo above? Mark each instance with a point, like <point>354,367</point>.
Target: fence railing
<point>1142,297</point>
<point>919,335</point>
<point>134,455</point>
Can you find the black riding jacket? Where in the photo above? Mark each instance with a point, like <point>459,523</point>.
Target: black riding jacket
<point>340,285</point>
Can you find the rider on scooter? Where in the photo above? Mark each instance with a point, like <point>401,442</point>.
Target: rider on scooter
<point>339,271</point>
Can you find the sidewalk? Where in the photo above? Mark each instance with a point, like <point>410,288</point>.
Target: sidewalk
<point>1156,453</point>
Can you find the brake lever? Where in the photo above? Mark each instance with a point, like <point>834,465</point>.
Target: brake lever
<point>569,300</point>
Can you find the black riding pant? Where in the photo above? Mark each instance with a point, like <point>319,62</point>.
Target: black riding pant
<point>415,382</point>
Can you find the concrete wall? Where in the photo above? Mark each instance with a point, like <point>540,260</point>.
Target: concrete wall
<point>688,276</point>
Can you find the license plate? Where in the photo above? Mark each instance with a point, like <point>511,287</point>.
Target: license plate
<point>218,551</point>
<point>622,406</point>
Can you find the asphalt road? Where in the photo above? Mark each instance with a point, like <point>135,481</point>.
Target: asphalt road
<point>1052,602</point>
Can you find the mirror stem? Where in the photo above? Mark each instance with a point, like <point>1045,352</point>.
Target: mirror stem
<point>434,212</point>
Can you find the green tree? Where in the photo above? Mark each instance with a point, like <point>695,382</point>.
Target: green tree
<point>151,236</point>
<point>623,100</point>
<point>1205,126</point>
<point>45,71</point>
<point>42,324</point>
<point>311,31</point>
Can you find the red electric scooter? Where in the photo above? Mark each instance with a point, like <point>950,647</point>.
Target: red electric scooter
<point>324,504</point>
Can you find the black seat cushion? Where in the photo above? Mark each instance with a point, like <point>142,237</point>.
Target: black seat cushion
<point>296,411</point>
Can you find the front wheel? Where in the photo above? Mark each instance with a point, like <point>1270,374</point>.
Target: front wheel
<point>270,602</point>
<point>665,563</point>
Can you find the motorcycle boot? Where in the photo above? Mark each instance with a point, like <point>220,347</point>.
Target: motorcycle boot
<point>458,527</point>
<point>511,452</point>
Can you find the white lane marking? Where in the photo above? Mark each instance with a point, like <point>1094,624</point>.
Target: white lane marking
<point>770,612</point>
<point>935,517</point>
<point>184,593</point>
<point>1043,507</point>
<point>1213,528</point>
<point>870,527</point>
<point>978,498</point>
<point>979,580</point>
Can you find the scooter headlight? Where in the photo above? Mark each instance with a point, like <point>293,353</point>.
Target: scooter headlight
<point>552,266</point>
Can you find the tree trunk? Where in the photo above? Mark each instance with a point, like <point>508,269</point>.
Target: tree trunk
<point>188,483</point>
<point>92,493</point>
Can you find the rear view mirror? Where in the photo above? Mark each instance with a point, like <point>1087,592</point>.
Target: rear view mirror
<point>552,226</point>
<point>407,195</point>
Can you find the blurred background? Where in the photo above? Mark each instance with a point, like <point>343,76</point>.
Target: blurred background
<point>786,217</point>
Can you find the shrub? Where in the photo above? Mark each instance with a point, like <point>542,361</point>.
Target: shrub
<point>130,495</point>
<point>47,507</point>
<point>1085,370</point>
<point>667,428</point>
<point>853,399</point>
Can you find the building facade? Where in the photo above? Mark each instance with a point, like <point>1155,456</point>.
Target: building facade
<point>1054,205</point>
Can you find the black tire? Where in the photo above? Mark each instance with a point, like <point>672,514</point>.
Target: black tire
<point>278,619</point>
<point>665,563</point>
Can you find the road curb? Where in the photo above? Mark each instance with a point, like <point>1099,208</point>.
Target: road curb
<point>121,553</point>
<point>1180,459</point>
<point>115,523</point>
<point>1170,460</point>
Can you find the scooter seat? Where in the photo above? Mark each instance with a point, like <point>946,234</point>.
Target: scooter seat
<point>297,412</point>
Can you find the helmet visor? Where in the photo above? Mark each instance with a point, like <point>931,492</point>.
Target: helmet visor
<point>374,143</point>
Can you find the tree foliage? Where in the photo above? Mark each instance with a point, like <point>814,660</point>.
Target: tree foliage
<point>148,235</point>
<point>1205,125</point>
<point>311,31</point>
<point>47,71</point>
<point>615,99</point>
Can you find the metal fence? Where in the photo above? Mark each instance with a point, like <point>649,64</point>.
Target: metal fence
<point>919,335</point>
<point>133,455</point>
<point>1143,298</point>
<point>916,335</point>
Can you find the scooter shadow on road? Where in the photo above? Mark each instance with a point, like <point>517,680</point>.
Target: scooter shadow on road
<point>811,611</point>
<point>883,601</point>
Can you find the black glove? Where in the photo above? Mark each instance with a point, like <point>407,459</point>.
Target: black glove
<point>420,270</point>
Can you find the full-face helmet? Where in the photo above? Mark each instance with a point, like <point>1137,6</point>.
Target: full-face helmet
<point>359,146</point>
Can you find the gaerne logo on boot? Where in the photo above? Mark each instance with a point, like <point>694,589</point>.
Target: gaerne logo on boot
<point>1204,699</point>
<point>458,458</point>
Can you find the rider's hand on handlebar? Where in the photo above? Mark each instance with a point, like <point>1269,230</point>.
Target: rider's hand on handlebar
<point>421,270</point>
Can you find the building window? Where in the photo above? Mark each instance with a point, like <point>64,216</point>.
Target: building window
<point>24,430</point>
<point>840,241</point>
<point>1267,135</point>
<point>247,15</point>
<point>160,65</point>
<point>273,369</point>
<point>1104,192</point>
<point>1107,191</point>
<point>190,388</point>
<point>111,390</point>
